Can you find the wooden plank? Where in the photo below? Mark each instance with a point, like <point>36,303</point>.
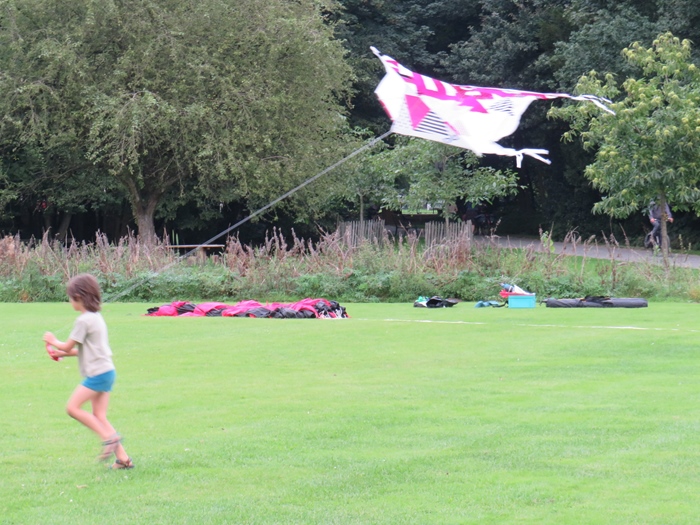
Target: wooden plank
<point>192,246</point>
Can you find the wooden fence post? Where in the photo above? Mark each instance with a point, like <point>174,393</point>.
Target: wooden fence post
<point>440,233</point>
<point>354,233</point>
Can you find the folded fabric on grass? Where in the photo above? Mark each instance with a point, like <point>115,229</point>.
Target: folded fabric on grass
<point>304,309</point>
<point>485,304</point>
<point>434,302</point>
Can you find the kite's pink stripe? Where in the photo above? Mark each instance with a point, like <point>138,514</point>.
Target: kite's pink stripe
<point>461,90</point>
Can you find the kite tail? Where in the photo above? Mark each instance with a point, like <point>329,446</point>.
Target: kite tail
<point>598,101</point>
<point>535,153</point>
<point>519,154</point>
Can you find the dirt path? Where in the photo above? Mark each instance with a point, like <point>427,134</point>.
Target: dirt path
<point>595,250</point>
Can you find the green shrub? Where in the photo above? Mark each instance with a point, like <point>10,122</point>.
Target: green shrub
<point>391,272</point>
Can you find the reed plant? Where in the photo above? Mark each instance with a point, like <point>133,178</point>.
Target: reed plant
<point>391,269</point>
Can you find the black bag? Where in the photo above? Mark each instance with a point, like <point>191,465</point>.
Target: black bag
<point>597,302</point>
<point>439,302</point>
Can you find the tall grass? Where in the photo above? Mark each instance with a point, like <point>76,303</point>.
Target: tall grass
<point>284,268</point>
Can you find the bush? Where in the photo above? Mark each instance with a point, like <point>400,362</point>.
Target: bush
<point>390,270</point>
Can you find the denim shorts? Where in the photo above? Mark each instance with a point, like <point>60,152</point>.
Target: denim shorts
<point>102,382</point>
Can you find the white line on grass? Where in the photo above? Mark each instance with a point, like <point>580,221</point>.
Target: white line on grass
<point>607,327</point>
<point>420,321</point>
<point>596,327</point>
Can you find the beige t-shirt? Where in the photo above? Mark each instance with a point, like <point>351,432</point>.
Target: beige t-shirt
<point>94,353</point>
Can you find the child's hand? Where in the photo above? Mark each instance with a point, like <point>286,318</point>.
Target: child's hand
<point>50,338</point>
<point>54,354</point>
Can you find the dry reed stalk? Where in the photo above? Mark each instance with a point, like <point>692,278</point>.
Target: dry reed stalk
<point>104,254</point>
<point>58,255</point>
<point>335,253</point>
<point>584,258</point>
<point>14,256</point>
<point>237,257</point>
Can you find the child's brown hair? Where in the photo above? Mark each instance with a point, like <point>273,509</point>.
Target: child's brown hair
<point>84,287</point>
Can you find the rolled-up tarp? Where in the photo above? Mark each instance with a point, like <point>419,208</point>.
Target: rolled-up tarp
<point>598,302</point>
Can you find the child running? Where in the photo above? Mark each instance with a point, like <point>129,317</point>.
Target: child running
<point>88,340</point>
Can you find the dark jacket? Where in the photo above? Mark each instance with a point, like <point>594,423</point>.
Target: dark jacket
<point>655,212</point>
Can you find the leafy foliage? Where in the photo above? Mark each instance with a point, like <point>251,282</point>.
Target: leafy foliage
<point>648,150</point>
<point>429,172</point>
<point>597,44</point>
<point>216,106</point>
<point>506,49</point>
<point>239,97</point>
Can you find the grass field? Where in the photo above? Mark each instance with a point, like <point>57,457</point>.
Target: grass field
<point>488,416</point>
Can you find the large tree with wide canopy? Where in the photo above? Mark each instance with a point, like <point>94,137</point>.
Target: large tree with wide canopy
<point>648,151</point>
<point>231,99</point>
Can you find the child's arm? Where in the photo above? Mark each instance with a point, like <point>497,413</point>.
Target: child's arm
<point>66,348</point>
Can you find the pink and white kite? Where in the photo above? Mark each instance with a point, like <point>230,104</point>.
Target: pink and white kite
<point>470,117</point>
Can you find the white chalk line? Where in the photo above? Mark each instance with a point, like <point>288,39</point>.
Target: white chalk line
<point>531,325</point>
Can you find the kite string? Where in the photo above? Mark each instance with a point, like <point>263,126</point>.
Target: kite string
<point>180,258</point>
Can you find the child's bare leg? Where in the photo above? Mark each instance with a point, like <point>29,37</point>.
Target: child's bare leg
<point>80,396</point>
<point>100,403</point>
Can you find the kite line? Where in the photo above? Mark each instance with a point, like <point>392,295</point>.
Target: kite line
<point>469,117</point>
<point>367,146</point>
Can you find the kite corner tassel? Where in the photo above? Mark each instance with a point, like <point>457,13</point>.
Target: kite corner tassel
<point>535,153</point>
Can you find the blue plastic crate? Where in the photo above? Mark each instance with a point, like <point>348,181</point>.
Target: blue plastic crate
<point>522,301</point>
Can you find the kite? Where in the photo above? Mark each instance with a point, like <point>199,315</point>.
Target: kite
<point>304,309</point>
<point>469,117</point>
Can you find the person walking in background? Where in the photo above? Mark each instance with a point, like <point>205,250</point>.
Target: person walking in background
<point>656,215</point>
<point>89,342</point>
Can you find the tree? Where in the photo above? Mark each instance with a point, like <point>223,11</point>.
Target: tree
<point>682,17</point>
<point>648,150</point>
<point>436,173</point>
<point>508,46</point>
<point>364,181</point>
<point>513,46</point>
<point>54,187</point>
<point>236,99</point>
<point>597,41</point>
<point>412,31</point>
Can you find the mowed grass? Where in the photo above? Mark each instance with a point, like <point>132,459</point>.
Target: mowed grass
<point>488,416</point>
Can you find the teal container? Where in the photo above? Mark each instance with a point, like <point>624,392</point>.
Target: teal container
<point>522,301</point>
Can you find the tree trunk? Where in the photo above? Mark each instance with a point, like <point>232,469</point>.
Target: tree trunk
<point>62,232</point>
<point>47,221</point>
<point>121,227</point>
<point>362,212</point>
<point>144,213</point>
<point>664,230</point>
<point>143,206</point>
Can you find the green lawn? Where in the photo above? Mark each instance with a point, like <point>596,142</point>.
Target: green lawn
<point>488,416</point>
